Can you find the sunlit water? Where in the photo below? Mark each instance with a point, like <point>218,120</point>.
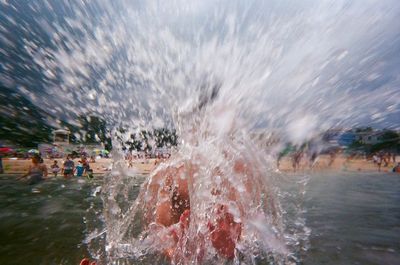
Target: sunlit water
<point>353,217</point>
<point>217,72</point>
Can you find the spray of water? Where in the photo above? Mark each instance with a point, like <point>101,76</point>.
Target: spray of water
<point>217,71</point>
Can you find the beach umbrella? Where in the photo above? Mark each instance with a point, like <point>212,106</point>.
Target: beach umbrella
<point>6,150</point>
<point>96,151</point>
<point>33,151</point>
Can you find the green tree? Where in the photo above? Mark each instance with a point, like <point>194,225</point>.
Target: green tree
<point>94,130</point>
<point>364,129</point>
<point>389,141</point>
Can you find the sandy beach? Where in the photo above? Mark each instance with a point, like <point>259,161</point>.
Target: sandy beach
<point>101,166</point>
<point>340,163</point>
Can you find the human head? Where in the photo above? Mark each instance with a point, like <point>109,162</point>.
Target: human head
<point>36,159</point>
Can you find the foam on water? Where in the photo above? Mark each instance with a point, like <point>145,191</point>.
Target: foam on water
<point>217,71</point>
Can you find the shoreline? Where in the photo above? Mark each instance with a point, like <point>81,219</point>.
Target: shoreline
<point>100,166</point>
<point>322,164</point>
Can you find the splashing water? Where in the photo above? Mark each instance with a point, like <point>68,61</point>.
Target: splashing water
<point>216,71</point>
<point>148,62</point>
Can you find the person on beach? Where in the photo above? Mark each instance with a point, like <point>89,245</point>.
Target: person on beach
<point>68,167</point>
<point>85,164</point>
<point>55,168</point>
<point>374,158</point>
<point>88,172</point>
<point>332,157</point>
<point>313,159</point>
<point>130,160</point>
<point>386,159</point>
<point>296,159</point>
<point>379,161</point>
<point>37,172</point>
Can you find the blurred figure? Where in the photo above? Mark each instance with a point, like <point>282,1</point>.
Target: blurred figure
<point>1,164</point>
<point>55,168</point>
<point>68,167</point>
<point>36,172</point>
<point>313,159</point>
<point>130,161</point>
<point>79,169</point>
<point>85,165</point>
<point>296,158</point>
<point>332,157</point>
<point>397,168</point>
<point>379,161</point>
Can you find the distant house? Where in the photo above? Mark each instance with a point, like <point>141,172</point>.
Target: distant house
<point>61,136</point>
<point>339,137</point>
<point>347,138</point>
<point>371,137</point>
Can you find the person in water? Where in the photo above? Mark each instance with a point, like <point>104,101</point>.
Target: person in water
<point>169,206</point>
<point>37,171</point>
<point>173,211</point>
<point>197,208</point>
<point>85,164</point>
<point>397,168</point>
<point>55,168</point>
<point>68,167</point>
<point>79,169</point>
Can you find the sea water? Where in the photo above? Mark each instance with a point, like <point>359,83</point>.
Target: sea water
<point>352,217</point>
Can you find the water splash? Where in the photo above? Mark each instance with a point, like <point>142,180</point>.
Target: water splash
<point>136,62</point>
<point>216,71</point>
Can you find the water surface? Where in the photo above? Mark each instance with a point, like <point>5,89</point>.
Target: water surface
<point>354,219</point>
<point>43,223</point>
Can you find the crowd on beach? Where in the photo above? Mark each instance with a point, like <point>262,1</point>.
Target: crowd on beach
<point>38,170</point>
<point>385,159</point>
<point>133,158</point>
<point>302,160</point>
<point>295,161</point>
